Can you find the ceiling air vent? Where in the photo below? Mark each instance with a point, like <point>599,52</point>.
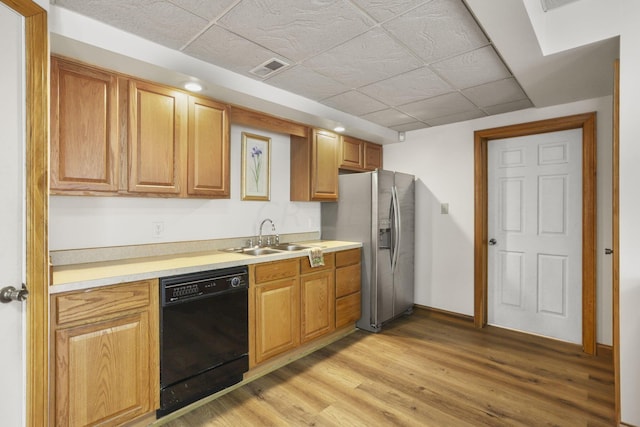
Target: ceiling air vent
<point>269,67</point>
<point>553,4</point>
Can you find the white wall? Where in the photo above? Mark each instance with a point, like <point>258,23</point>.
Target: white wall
<point>630,212</point>
<point>87,222</point>
<point>442,160</point>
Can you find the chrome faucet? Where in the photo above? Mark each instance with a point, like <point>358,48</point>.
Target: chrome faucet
<point>273,229</point>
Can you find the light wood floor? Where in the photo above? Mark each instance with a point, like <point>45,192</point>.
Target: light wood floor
<point>426,370</point>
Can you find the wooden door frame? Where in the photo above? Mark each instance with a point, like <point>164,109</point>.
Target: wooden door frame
<point>615,232</point>
<point>586,122</point>
<point>37,205</point>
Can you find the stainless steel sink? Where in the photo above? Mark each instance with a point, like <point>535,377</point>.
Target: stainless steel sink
<point>259,251</point>
<point>289,247</point>
<point>266,250</point>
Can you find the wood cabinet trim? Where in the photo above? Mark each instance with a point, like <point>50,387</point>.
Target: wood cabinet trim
<point>256,119</point>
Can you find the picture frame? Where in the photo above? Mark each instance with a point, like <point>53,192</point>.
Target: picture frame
<point>256,167</point>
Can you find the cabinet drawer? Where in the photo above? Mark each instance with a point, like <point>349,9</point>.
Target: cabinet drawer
<point>101,303</point>
<point>329,262</point>
<point>348,257</point>
<point>276,270</point>
<point>347,309</point>
<point>347,280</point>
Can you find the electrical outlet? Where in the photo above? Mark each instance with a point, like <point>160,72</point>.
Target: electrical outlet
<point>158,229</point>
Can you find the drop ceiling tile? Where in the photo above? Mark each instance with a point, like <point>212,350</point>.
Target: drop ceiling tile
<point>205,8</point>
<point>383,10</point>
<point>438,29</point>
<point>366,59</point>
<point>389,117</point>
<point>495,93</point>
<point>225,49</point>
<point>355,103</point>
<point>472,68</point>
<point>408,87</point>
<point>440,106</point>
<point>153,20</point>
<point>296,29</point>
<point>454,118</point>
<point>510,106</point>
<point>306,82</point>
<point>410,126</point>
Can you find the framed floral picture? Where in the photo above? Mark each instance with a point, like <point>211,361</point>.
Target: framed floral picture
<point>256,159</point>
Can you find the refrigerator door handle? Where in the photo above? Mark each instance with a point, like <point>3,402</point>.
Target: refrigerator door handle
<point>396,220</point>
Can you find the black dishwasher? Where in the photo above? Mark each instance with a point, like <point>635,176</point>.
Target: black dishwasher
<point>203,335</point>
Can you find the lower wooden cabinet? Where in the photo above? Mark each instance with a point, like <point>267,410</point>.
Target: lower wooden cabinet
<point>348,282</point>
<point>292,303</point>
<point>106,360</point>
<point>317,300</point>
<point>274,309</point>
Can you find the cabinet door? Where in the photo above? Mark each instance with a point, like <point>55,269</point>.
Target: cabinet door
<point>157,138</point>
<point>317,300</point>
<point>351,153</point>
<point>324,170</point>
<point>372,156</point>
<point>208,148</point>
<point>102,372</point>
<point>277,314</point>
<point>84,128</point>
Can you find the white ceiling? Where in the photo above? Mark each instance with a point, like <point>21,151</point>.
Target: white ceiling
<point>402,64</point>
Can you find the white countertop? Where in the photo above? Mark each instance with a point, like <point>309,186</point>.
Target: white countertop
<point>89,275</point>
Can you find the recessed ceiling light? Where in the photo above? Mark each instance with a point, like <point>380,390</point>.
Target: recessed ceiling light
<point>193,87</point>
<point>339,129</point>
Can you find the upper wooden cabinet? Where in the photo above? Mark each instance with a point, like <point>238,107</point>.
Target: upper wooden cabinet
<point>157,138</point>
<point>358,155</point>
<point>85,150</point>
<point>314,166</point>
<point>372,156</point>
<point>208,148</point>
<point>114,135</point>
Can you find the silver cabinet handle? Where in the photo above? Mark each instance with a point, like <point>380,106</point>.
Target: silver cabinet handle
<point>493,242</point>
<point>9,293</point>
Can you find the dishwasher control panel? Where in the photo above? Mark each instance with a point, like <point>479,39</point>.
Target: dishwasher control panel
<point>203,284</point>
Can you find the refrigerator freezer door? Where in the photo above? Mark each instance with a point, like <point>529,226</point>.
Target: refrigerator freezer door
<point>383,288</point>
<point>404,273</point>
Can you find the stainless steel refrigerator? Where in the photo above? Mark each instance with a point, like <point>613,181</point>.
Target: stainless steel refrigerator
<point>378,209</point>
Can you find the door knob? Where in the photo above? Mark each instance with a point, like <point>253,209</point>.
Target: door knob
<point>493,242</point>
<point>608,251</point>
<point>9,293</point>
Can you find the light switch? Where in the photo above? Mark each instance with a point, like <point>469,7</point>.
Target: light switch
<point>444,208</point>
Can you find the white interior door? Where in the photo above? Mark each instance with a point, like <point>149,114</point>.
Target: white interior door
<point>535,232</point>
<point>12,211</point>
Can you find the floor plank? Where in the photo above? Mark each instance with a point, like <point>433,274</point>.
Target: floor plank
<point>428,369</point>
